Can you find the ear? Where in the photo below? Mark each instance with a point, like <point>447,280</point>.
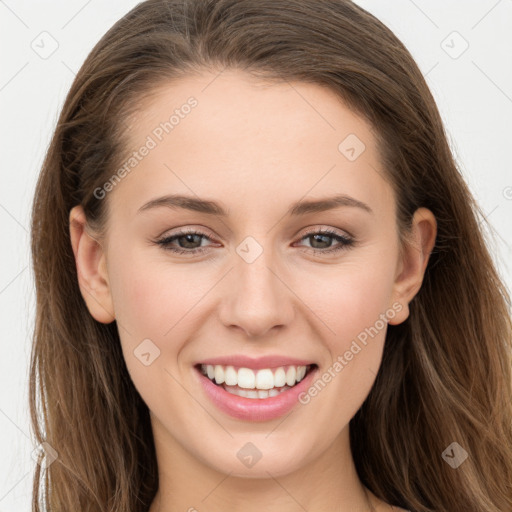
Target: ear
<point>91,268</point>
<point>413,262</point>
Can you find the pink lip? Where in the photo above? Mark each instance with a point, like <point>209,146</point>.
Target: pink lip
<point>255,409</point>
<point>256,363</point>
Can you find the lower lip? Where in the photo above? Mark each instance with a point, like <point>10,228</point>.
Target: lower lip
<point>255,409</point>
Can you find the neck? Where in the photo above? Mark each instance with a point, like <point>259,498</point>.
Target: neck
<point>329,482</point>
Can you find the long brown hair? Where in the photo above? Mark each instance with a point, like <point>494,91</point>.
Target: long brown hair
<point>446,371</point>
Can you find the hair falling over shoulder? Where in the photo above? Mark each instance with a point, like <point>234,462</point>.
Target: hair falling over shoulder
<point>446,372</point>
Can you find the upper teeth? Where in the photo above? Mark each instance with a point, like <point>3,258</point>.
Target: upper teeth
<point>265,378</point>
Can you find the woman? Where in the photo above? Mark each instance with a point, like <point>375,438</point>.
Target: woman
<point>261,279</point>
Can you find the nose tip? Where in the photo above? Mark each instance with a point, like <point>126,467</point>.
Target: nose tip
<point>256,300</point>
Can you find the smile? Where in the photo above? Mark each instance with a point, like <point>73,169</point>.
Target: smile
<point>255,394</point>
<point>262,383</point>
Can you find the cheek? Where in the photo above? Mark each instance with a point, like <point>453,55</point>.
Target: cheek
<point>352,305</point>
<point>153,298</point>
<point>160,299</point>
<point>353,297</point>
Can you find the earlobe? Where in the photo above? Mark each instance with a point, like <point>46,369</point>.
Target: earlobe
<point>90,260</point>
<point>411,267</point>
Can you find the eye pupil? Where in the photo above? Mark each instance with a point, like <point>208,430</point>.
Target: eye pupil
<point>317,238</point>
<point>187,238</point>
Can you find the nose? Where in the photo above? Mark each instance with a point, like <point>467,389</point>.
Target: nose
<point>256,297</point>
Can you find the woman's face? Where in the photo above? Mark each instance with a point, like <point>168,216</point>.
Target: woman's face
<point>264,286</point>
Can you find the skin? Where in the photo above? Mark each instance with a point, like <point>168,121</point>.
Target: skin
<point>255,147</point>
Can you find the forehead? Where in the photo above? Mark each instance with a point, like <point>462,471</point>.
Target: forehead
<point>231,136</point>
<point>237,102</point>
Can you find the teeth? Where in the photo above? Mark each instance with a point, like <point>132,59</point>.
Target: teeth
<point>263,380</point>
<point>251,393</point>
<point>279,377</point>
<point>219,374</point>
<point>246,378</point>
<point>230,376</point>
<point>291,375</point>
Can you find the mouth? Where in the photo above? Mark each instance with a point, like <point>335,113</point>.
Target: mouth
<point>261,384</point>
<point>258,391</point>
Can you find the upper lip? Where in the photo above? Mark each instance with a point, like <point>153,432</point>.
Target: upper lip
<point>256,363</point>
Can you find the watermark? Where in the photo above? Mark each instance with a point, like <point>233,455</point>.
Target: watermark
<point>455,455</point>
<point>152,141</point>
<point>44,454</point>
<point>507,193</point>
<point>249,455</point>
<point>249,249</point>
<point>352,147</point>
<point>146,352</point>
<point>345,358</point>
<point>44,45</point>
<point>454,45</point>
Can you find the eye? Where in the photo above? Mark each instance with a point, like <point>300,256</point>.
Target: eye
<point>188,239</point>
<point>320,237</point>
<point>189,242</point>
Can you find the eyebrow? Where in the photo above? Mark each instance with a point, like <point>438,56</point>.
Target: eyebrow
<point>212,208</point>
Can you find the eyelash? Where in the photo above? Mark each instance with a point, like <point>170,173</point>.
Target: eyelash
<point>345,242</point>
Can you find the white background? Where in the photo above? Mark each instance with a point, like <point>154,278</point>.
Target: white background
<point>473,92</point>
